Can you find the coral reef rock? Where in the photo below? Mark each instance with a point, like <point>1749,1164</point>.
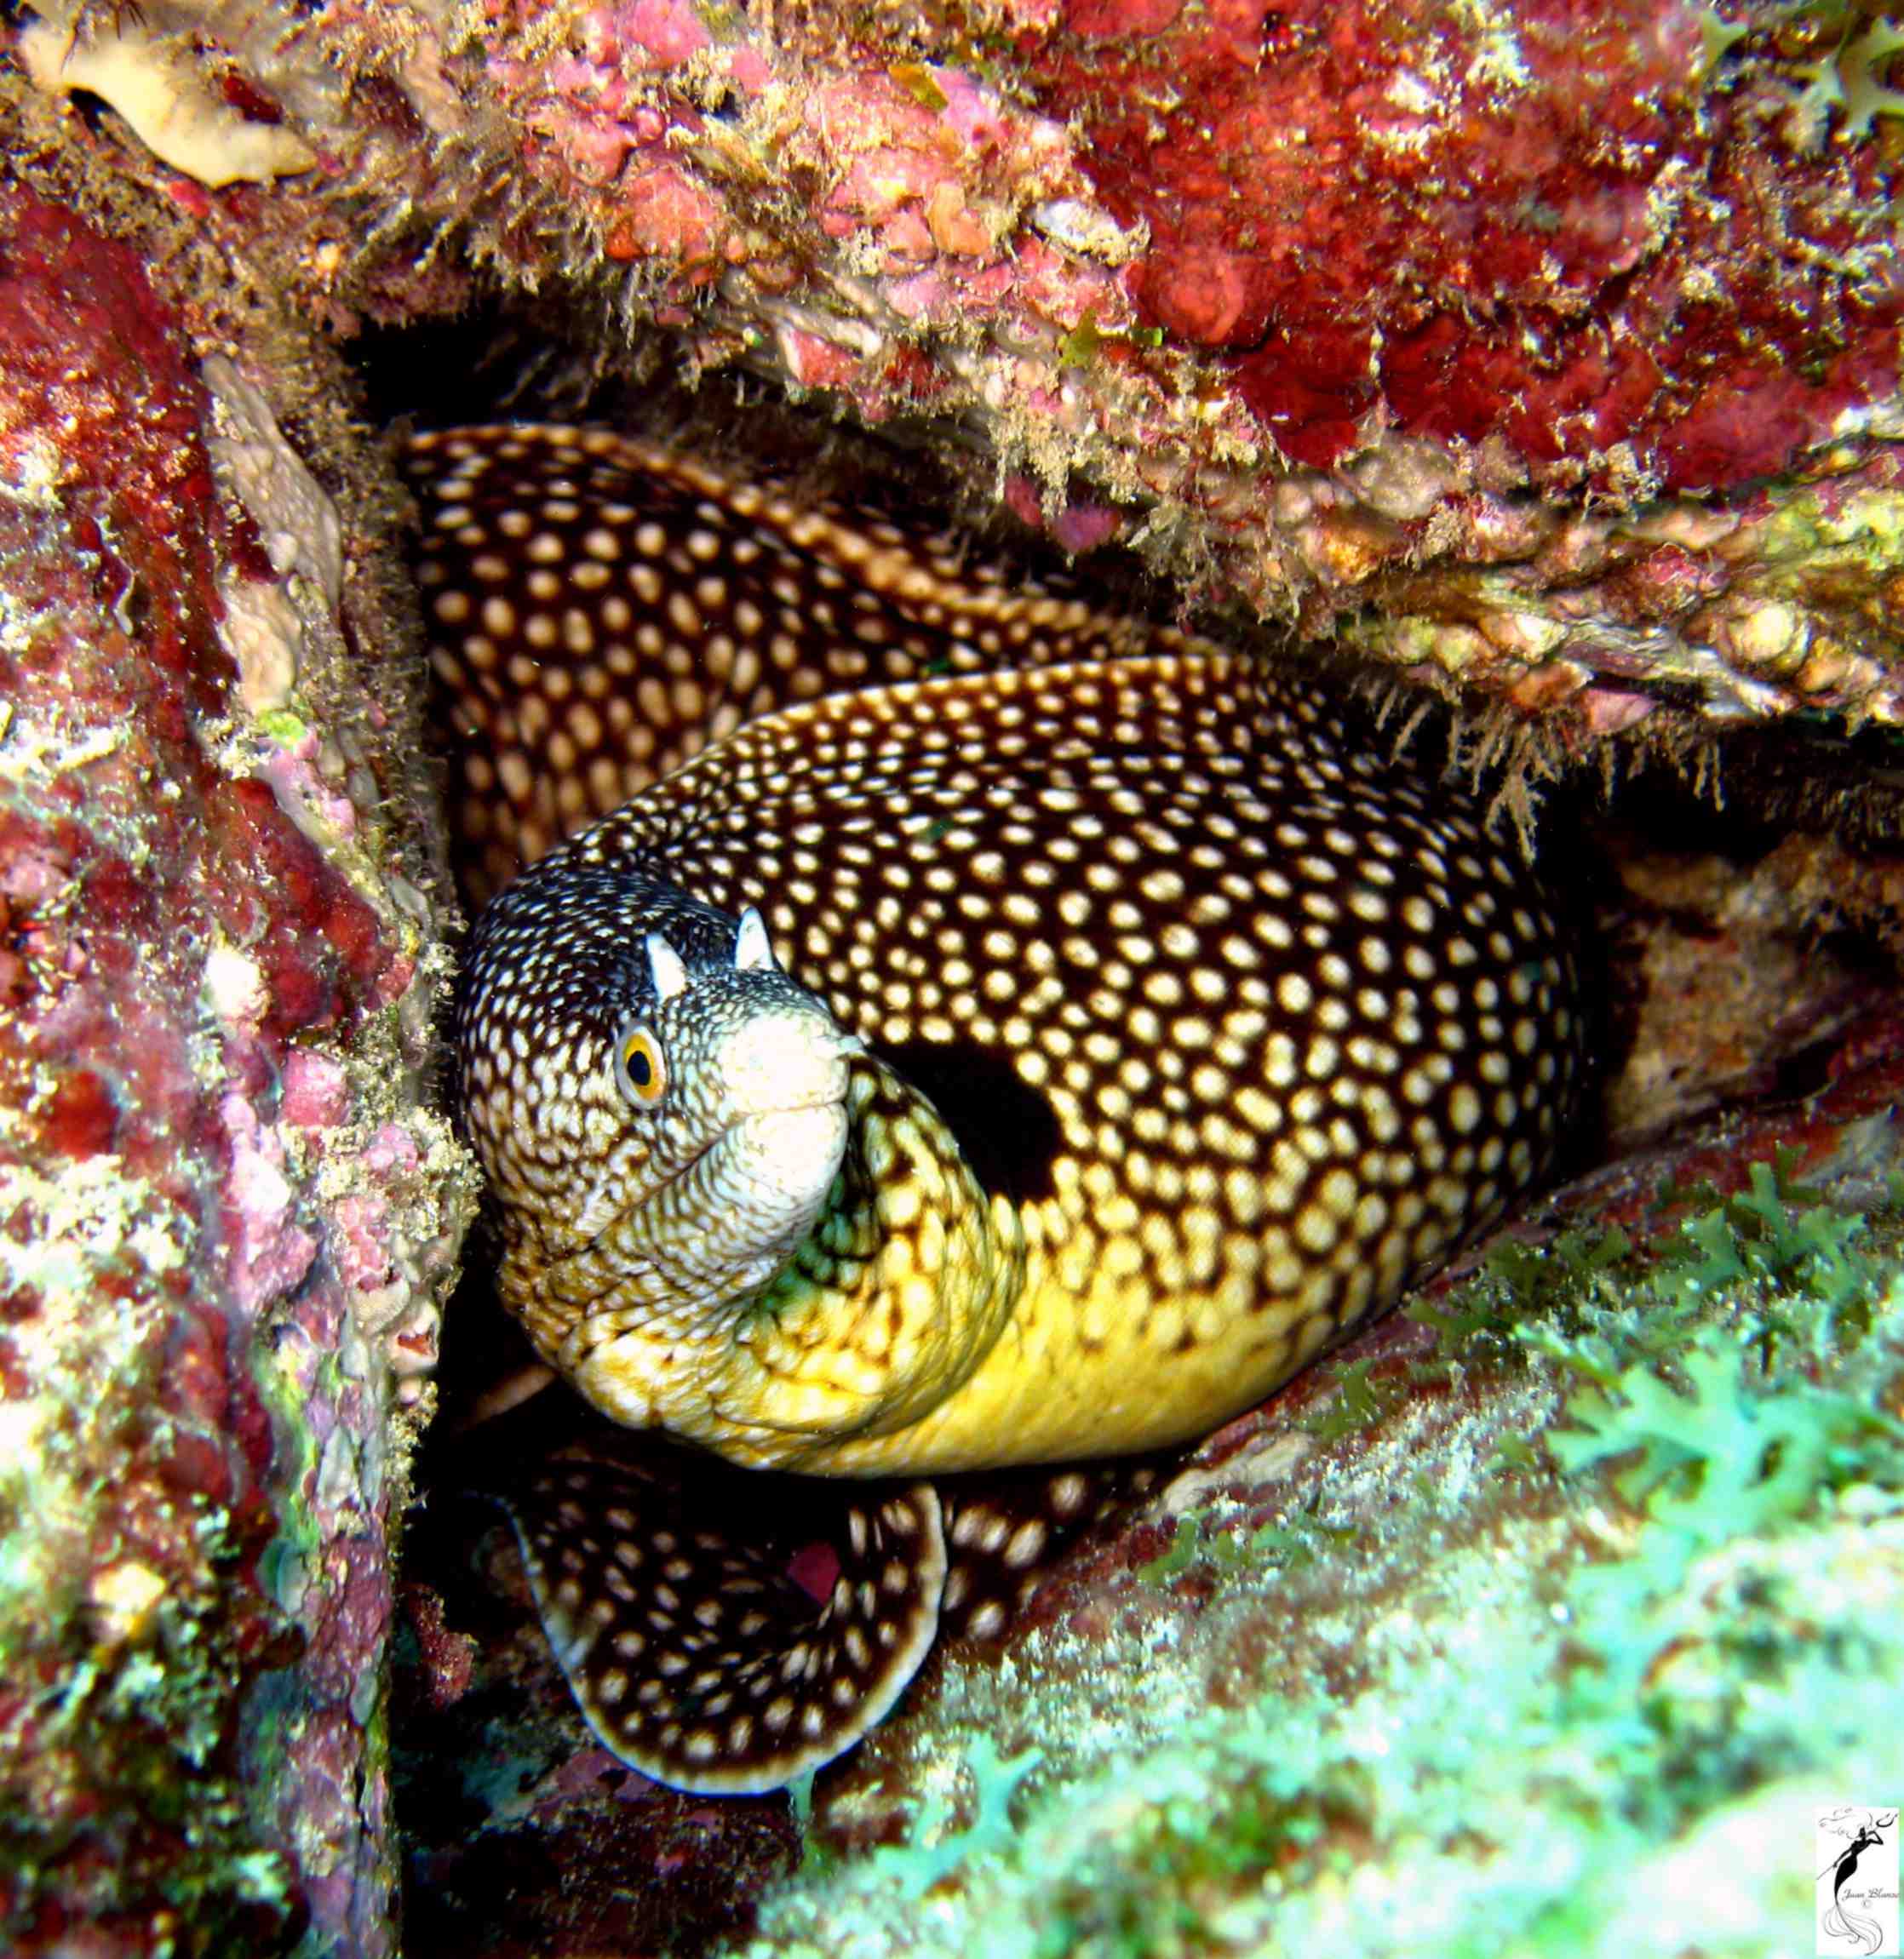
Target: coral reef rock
<point>1548,350</point>
<point>226,1207</point>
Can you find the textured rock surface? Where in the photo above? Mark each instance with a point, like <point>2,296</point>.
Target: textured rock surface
<point>1550,349</point>
<point>225,1211</point>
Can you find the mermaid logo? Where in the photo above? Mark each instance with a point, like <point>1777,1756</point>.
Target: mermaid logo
<point>1857,1886</point>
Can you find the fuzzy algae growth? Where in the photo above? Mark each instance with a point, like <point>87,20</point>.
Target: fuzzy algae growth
<point>1477,1694</point>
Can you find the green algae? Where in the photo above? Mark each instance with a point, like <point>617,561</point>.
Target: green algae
<point>941,1844</point>
<point>1629,1613</point>
<point>1850,79</point>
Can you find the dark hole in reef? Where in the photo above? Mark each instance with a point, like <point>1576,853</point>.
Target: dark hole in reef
<point>92,110</point>
<point>440,372</point>
<point>1009,1132</point>
<point>1806,1071</point>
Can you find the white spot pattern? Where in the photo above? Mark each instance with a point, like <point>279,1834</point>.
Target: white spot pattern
<point>1262,1028</point>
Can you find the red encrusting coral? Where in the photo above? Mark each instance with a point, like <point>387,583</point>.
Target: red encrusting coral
<point>317,940</point>
<point>1563,227</point>
<point>1346,305</point>
<point>1556,225</point>
<point>87,355</point>
<point>1352,303</point>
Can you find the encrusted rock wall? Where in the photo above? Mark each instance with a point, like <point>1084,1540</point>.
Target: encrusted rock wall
<point>227,1209</point>
<point>1550,351</point>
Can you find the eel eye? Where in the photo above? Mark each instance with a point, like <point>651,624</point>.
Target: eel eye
<point>640,1067</point>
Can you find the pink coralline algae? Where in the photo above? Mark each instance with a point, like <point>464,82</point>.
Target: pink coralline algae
<point>314,1092</point>
<point>209,1300</point>
<point>1442,330</point>
<point>1536,350</point>
<point>270,1253</point>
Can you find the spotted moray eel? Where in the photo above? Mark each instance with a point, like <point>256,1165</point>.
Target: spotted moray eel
<point>943,1026</point>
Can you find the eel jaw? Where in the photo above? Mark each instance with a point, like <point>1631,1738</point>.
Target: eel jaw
<point>762,1181</point>
<point>770,1164</point>
<point>776,1171</point>
<point>778,1140</point>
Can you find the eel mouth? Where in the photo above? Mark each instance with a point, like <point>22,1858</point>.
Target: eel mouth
<point>790,1155</point>
<point>771,1122</point>
<point>799,1145</point>
<point>790,1086</point>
